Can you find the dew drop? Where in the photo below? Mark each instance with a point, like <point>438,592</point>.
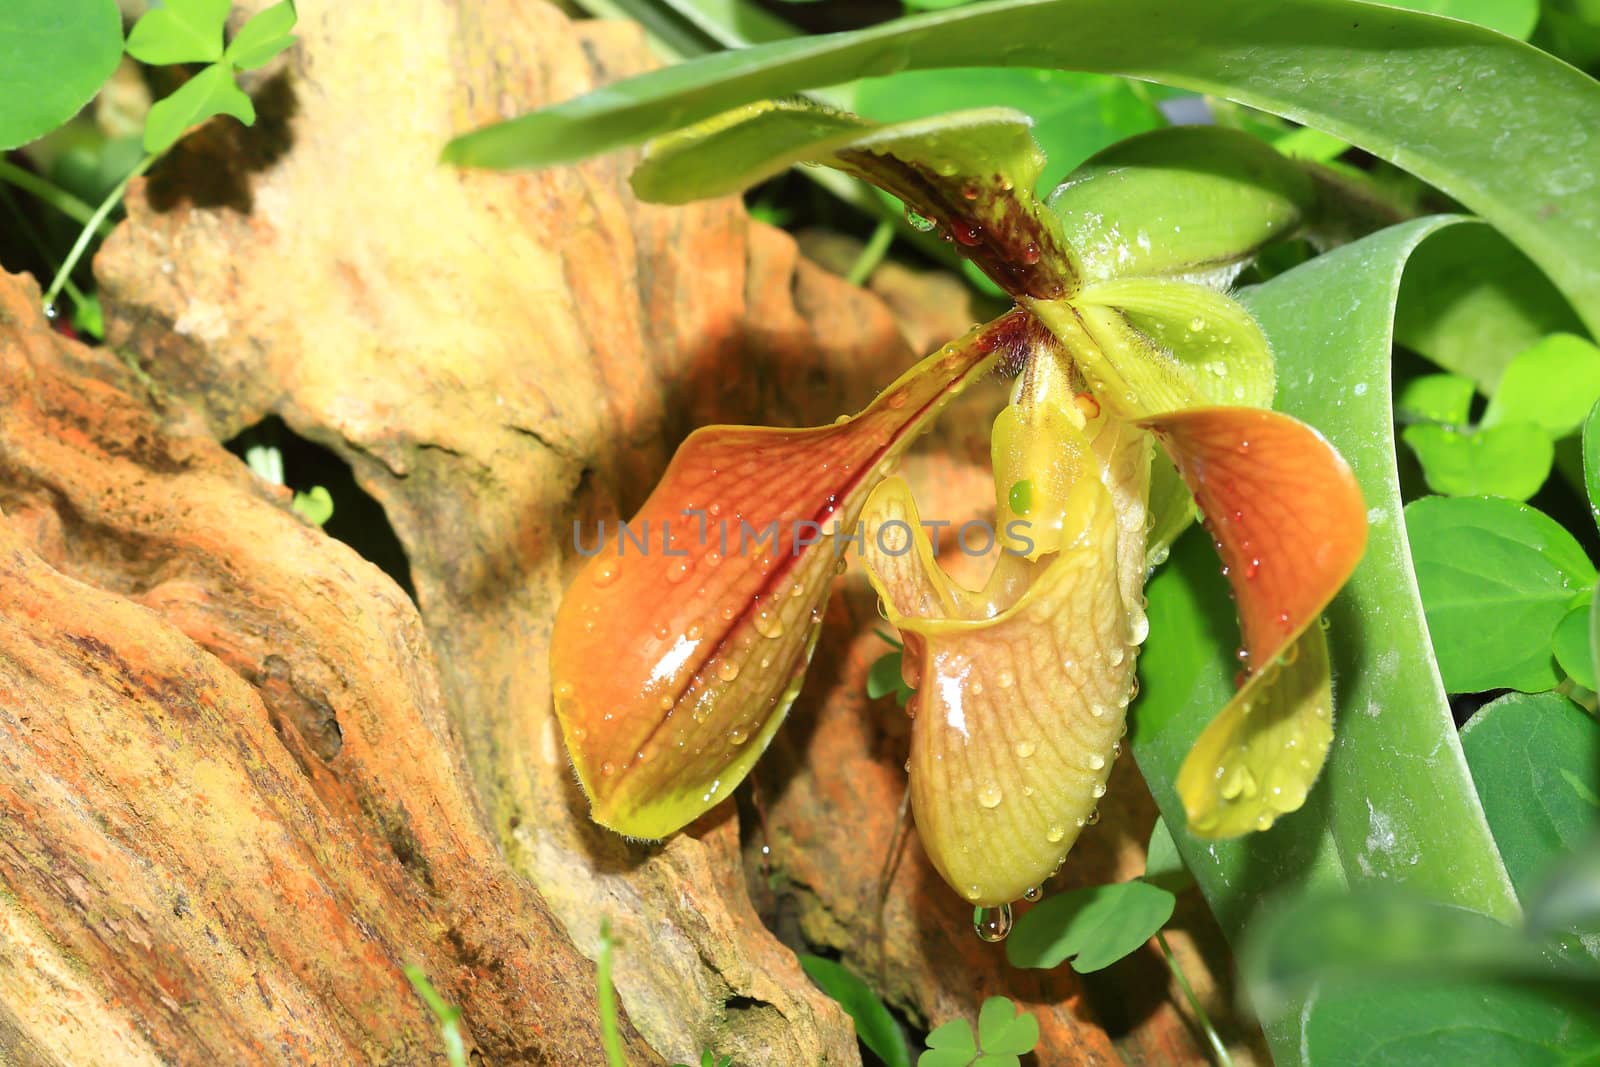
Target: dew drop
<point>1097,710</point>
<point>1023,749</point>
<point>1116,750</point>
<point>737,735</point>
<point>920,223</point>
<point>1005,679</point>
<point>1116,655</point>
<point>608,768</point>
<point>665,703</point>
<point>1093,819</point>
<point>663,631</point>
<point>607,572</point>
<point>713,558</point>
<point>768,623</point>
<point>1054,835</point>
<point>1096,762</point>
<point>727,670</point>
<point>1099,790</point>
<point>1252,568</point>
<point>579,733</point>
<point>841,420</point>
<point>1030,253</point>
<point>694,631</point>
<point>1238,783</point>
<point>992,924</point>
<point>1196,324</point>
<point>563,690</point>
<point>989,796</point>
<point>1032,893</point>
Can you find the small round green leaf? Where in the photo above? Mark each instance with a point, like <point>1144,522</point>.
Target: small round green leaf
<point>1095,926</point>
<point>1163,866</point>
<point>1572,648</point>
<point>1553,384</point>
<point>180,31</point>
<point>263,37</point>
<point>1496,578</point>
<point>1442,398</point>
<point>211,92</point>
<point>1004,1030</point>
<point>1511,460</point>
<point>54,56</point>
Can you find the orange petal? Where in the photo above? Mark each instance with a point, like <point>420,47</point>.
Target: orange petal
<point>673,664</point>
<point>1283,508</point>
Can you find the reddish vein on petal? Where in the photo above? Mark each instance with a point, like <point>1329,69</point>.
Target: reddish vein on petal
<point>674,663</point>
<point>1283,508</point>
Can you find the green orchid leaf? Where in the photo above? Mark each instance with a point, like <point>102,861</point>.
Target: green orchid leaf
<point>1006,1030</point>
<point>263,37</point>
<point>1574,652</point>
<point>54,56</point>
<point>1510,460</point>
<point>1514,18</point>
<point>211,92</point>
<point>1445,399</point>
<point>1470,301</point>
<point>1163,864</point>
<point>874,1025</point>
<point>1328,64</point>
<point>1497,578</point>
<point>180,31</point>
<point>1074,115</point>
<point>970,173</point>
<point>1095,926</point>
<point>1380,932</point>
<point>1553,385</point>
<point>1329,322</point>
<point>1536,763</point>
<point>1190,202</point>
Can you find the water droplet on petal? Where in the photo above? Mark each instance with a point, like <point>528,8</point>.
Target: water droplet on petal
<point>1096,762</point>
<point>992,924</point>
<point>1004,680</point>
<point>989,796</point>
<point>1093,819</point>
<point>608,768</point>
<point>1238,783</point>
<point>563,690</point>
<point>727,670</point>
<point>1054,835</point>
<point>737,735</point>
<point>1032,893</point>
<point>1099,790</point>
<point>1023,749</point>
<point>768,623</point>
<point>607,572</point>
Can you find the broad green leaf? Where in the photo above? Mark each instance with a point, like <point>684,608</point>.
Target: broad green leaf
<point>1471,301</point>
<point>1425,93</point>
<point>1572,647</point>
<point>1074,115</point>
<point>885,677</point>
<point>1380,932</point>
<point>1447,1024</point>
<point>1189,201</point>
<point>1163,865</point>
<point>1329,321</point>
<point>1511,460</point>
<point>180,31</point>
<point>1442,398</point>
<point>1094,926</point>
<point>1514,18</point>
<point>1006,1030</point>
<point>1554,385</point>
<point>874,1025</point>
<point>211,92</point>
<point>263,37</point>
<point>1496,578</point>
<point>54,56</point>
<point>1536,762</point>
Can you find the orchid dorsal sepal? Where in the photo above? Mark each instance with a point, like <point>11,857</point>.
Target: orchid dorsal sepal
<point>972,172</point>
<point>677,652</point>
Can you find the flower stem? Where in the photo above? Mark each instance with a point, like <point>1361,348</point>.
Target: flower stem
<point>91,226</point>
<point>606,994</point>
<point>1219,1051</point>
<point>50,193</point>
<point>877,247</point>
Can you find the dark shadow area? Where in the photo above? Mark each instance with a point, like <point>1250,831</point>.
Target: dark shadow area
<point>358,520</point>
<point>212,166</point>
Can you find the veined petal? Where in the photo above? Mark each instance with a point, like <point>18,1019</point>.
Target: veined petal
<point>1017,712</point>
<point>1289,522</point>
<point>681,643</point>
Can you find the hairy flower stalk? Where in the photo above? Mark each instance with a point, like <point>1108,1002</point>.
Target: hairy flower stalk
<point>674,666</point>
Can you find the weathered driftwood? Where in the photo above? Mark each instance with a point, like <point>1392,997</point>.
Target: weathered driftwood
<point>242,782</point>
